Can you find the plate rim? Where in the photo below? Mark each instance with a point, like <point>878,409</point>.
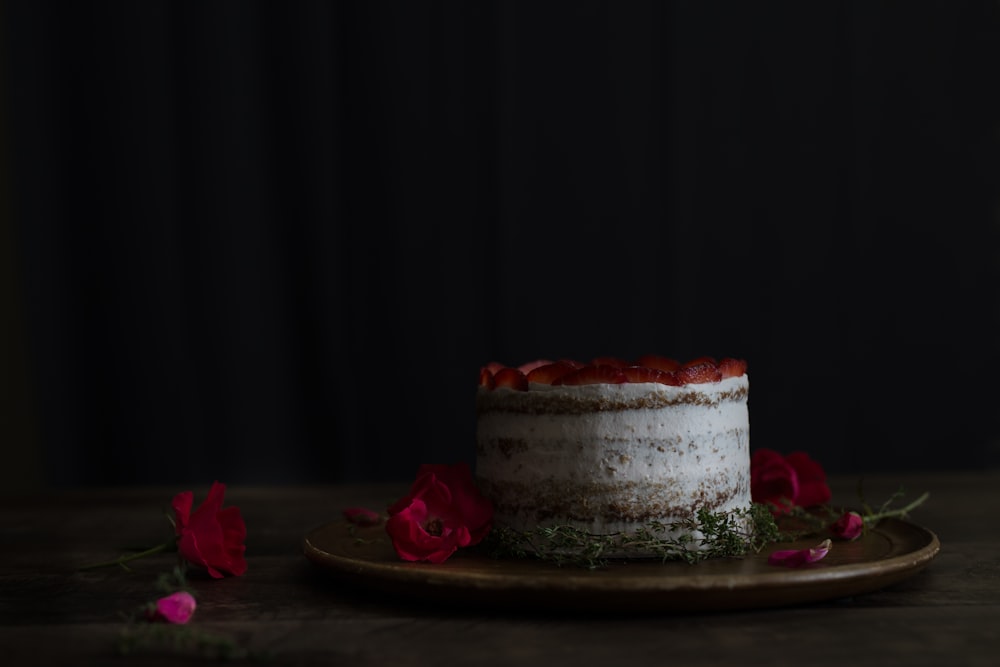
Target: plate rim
<point>463,579</point>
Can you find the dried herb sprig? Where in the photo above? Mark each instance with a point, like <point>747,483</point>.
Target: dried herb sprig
<point>723,535</point>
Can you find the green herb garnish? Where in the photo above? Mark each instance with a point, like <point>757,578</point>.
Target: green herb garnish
<point>723,535</point>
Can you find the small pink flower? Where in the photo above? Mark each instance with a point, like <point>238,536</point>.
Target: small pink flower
<point>362,516</point>
<point>848,527</point>
<point>797,557</point>
<point>175,608</point>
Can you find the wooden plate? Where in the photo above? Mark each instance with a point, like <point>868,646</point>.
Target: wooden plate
<point>891,552</point>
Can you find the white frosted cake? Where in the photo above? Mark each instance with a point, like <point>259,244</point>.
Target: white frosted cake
<point>613,448</point>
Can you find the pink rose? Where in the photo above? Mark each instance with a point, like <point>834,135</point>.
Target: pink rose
<point>443,511</point>
<point>210,537</point>
<point>849,526</point>
<point>174,608</point>
<point>789,481</point>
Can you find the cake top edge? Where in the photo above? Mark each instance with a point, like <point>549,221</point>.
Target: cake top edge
<point>648,369</point>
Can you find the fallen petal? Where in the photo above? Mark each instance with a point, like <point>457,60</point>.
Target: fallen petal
<point>798,557</point>
<point>362,516</point>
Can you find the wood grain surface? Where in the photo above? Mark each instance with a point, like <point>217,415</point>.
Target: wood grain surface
<point>287,611</point>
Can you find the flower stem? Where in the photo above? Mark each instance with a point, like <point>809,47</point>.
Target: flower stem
<point>122,560</point>
<point>901,512</point>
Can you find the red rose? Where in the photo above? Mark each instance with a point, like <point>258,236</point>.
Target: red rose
<point>210,537</point>
<point>849,526</point>
<point>442,512</point>
<point>784,482</point>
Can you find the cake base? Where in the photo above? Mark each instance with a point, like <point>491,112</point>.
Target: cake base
<point>704,535</point>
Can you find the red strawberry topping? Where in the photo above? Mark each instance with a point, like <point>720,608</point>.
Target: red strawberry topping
<point>549,373</point>
<point>511,378</point>
<point>593,375</point>
<point>698,373</point>
<point>612,370</point>
<point>731,368</point>
<point>698,361</point>
<point>532,365</point>
<point>659,362</point>
<point>609,361</point>
<point>647,374</point>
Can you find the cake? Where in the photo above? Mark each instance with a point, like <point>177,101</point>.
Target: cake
<point>628,456</point>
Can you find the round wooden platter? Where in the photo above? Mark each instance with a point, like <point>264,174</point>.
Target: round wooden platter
<point>892,551</point>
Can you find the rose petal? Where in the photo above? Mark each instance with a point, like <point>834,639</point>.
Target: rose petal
<point>362,516</point>
<point>784,482</point>
<point>182,504</point>
<point>773,481</point>
<point>211,537</point>
<point>813,489</point>
<point>798,557</point>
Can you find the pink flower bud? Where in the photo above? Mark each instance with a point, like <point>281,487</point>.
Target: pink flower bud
<point>175,608</point>
<point>848,527</point>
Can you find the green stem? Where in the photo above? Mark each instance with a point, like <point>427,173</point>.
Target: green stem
<point>121,560</point>
<point>903,511</point>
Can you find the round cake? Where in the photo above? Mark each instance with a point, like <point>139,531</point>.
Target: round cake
<point>629,458</point>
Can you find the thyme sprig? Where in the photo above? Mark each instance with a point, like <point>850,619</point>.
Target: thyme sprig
<point>722,535</point>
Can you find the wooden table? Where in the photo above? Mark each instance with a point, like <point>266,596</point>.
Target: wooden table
<point>288,609</point>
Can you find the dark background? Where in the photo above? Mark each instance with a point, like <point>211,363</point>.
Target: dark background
<point>274,242</point>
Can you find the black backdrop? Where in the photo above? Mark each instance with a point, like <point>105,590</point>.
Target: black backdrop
<point>274,242</point>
